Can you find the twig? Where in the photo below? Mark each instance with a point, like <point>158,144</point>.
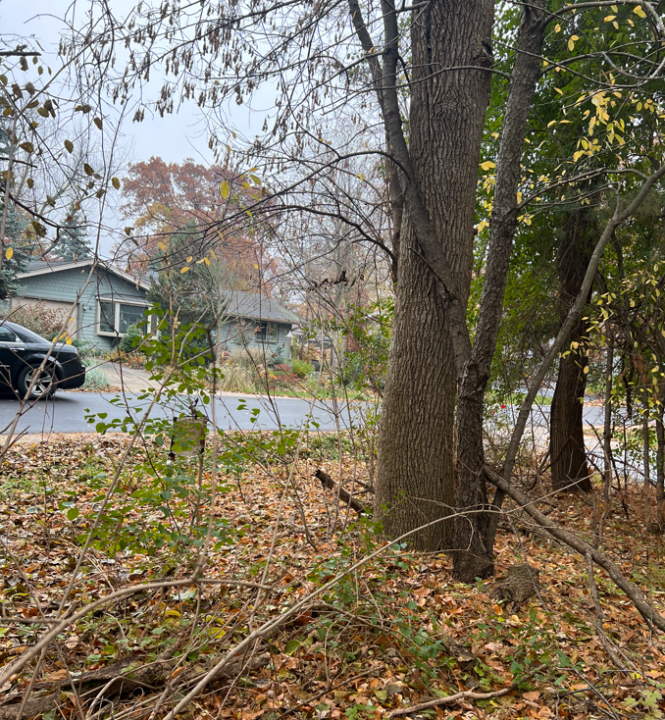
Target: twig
<point>604,640</point>
<point>449,700</point>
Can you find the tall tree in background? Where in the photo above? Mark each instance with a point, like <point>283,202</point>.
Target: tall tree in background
<point>163,199</point>
<point>13,225</point>
<point>72,242</point>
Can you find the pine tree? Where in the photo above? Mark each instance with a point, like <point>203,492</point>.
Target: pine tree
<point>72,242</point>
<point>13,241</point>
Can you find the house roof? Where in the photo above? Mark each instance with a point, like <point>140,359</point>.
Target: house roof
<point>45,267</point>
<point>253,305</point>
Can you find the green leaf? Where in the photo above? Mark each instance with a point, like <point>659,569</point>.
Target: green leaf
<point>291,647</point>
<point>72,513</point>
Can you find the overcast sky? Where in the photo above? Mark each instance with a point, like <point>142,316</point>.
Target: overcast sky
<point>173,137</point>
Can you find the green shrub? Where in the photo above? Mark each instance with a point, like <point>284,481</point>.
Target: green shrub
<point>131,340</point>
<point>301,368</point>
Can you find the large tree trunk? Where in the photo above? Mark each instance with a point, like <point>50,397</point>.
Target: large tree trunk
<point>567,449</point>
<point>415,483</point>
<point>568,453</point>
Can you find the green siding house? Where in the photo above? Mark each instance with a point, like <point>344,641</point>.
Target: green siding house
<point>255,321</point>
<point>107,301</point>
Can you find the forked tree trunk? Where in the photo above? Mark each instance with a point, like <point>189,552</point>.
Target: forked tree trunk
<point>415,479</point>
<point>415,482</point>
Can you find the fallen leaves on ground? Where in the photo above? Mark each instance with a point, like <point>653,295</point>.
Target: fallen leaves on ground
<point>378,641</point>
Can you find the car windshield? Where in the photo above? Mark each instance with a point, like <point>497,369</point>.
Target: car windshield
<point>27,335</point>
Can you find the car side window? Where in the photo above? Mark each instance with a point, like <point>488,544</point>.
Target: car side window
<point>6,335</point>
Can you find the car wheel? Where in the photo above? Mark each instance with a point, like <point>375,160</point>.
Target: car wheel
<point>44,385</point>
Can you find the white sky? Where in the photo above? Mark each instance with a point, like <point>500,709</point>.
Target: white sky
<point>173,137</point>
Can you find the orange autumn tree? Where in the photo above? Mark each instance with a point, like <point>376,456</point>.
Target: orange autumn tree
<point>162,199</point>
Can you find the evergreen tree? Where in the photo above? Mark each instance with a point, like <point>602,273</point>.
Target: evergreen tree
<point>72,243</point>
<point>12,243</point>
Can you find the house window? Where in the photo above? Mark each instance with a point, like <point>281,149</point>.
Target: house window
<point>106,318</point>
<point>114,318</point>
<point>266,332</point>
<point>129,315</point>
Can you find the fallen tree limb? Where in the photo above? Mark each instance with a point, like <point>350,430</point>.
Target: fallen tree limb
<point>449,700</point>
<point>34,706</point>
<point>116,681</point>
<point>341,493</point>
<point>583,548</point>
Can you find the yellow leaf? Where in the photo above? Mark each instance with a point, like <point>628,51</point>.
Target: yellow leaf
<point>68,341</point>
<point>189,259</point>
<point>557,28</point>
<point>586,369</point>
<point>488,165</point>
<point>207,262</point>
<point>184,270</point>
<point>116,183</point>
<point>224,189</point>
<point>212,253</point>
<point>161,245</point>
<point>559,90</point>
<point>256,267</point>
<point>609,18</point>
<point>639,12</point>
<point>255,179</point>
<point>9,253</point>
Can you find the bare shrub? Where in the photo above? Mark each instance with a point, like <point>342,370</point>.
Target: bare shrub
<point>39,318</point>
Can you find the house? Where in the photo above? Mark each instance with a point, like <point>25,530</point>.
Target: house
<point>255,321</point>
<point>109,300</point>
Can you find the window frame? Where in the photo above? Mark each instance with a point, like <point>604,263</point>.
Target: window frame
<point>267,338</point>
<point>116,315</point>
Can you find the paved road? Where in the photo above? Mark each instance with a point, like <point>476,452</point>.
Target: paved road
<point>66,413</point>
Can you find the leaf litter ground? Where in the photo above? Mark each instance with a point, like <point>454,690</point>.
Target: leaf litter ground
<point>379,642</point>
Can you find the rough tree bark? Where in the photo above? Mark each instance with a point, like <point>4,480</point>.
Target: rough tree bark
<point>472,537</point>
<point>567,449</point>
<point>438,175</point>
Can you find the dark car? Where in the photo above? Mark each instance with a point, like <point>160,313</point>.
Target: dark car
<point>22,353</point>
